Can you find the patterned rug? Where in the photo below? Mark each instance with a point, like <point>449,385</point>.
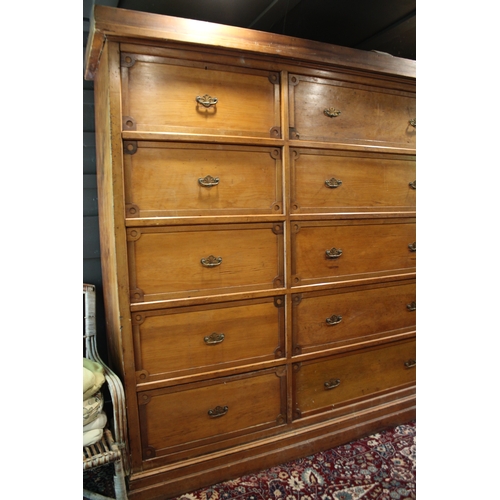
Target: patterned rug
<point>381,466</point>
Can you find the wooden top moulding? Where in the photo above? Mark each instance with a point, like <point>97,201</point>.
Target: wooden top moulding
<point>121,24</point>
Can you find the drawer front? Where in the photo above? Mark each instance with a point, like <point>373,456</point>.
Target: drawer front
<point>191,340</point>
<point>322,385</point>
<point>163,95</point>
<point>206,415</point>
<point>174,262</point>
<point>175,179</point>
<point>334,111</point>
<point>338,250</point>
<point>329,182</point>
<point>323,320</point>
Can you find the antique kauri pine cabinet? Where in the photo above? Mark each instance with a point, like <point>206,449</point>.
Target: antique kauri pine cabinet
<point>257,208</point>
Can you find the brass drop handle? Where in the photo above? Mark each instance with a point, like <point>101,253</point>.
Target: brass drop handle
<point>333,320</point>
<point>413,246</point>
<point>218,411</point>
<point>413,122</point>
<point>211,261</point>
<point>333,183</point>
<point>331,112</point>
<point>208,181</point>
<point>413,184</point>
<point>411,363</point>
<point>333,253</point>
<point>207,100</point>
<point>331,384</point>
<point>214,338</point>
<point>412,306</point>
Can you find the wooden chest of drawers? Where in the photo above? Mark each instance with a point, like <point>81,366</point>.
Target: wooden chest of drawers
<point>257,200</point>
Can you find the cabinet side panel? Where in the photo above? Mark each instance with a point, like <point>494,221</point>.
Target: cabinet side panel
<point>108,220</point>
<point>112,229</point>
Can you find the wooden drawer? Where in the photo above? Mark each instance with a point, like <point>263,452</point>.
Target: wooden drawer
<point>332,251</point>
<point>323,385</point>
<point>176,179</point>
<point>204,416</point>
<point>160,94</point>
<point>325,320</point>
<point>192,261</point>
<point>198,339</point>
<point>330,110</point>
<point>331,182</point>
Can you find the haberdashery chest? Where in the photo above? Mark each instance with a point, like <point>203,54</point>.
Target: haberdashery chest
<point>257,212</point>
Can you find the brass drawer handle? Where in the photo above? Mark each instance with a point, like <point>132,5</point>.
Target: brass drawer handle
<point>333,320</point>
<point>412,306</point>
<point>331,384</point>
<point>333,253</point>
<point>413,122</point>
<point>413,184</point>
<point>207,100</point>
<point>208,181</point>
<point>413,246</point>
<point>211,261</point>
<point>214,338</point>
<point>333,183</point>
<point>331,112</point>
<point>411,363</point>
<point>218,411</point>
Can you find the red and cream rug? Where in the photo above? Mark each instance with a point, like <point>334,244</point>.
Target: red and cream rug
<point>381,466</point>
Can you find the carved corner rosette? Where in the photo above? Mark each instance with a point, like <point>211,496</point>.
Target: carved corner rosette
<point>275,153</point>
<point>128,123</point>
<point>138,319</point>
<point>129,147</point>
<point>127,60</point>
<point>293,80</point>
<point>280,419</point>
<point>132,210</point>
<point>274,77</point>
<point>277,228</point>
<point>278,282</point>
<point>142,376</point>
<point>279,301</point>
<point>136,295</point>
<point>144,399</point>
<point>148,453</point>
<point>133,234</point>
<point>275,132</point>
<point>277,207</point>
